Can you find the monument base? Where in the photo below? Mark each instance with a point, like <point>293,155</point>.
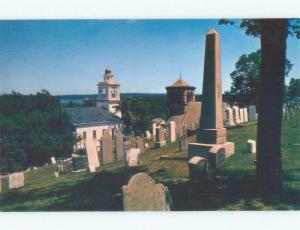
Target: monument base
<point>216,154</point>
<point>160,144</point>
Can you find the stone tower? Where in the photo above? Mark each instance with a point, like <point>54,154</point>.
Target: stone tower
<point>211,136</point>
<point>179,95</point>
<point>109,93</point>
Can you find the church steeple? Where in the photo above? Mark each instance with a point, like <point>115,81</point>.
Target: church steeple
<point>109,93</point>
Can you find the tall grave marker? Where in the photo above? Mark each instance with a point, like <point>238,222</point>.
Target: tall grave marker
<point>211,136</point>
<point>107,148</point>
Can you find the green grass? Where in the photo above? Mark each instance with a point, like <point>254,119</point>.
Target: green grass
<point>237,190</point>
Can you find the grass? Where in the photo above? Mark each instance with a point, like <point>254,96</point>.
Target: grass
<point>236,190</point>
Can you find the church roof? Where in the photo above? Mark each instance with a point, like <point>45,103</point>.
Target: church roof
<point>89,115</point>
<point>180,84</point>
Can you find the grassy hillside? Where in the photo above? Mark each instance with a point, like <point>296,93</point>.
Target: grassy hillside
<point>232,187</point>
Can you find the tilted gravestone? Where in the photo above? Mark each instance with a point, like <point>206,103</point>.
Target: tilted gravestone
<point>107,148</point>
<point>142,194</point>
<point>140,144</point>
<point>119,145</point>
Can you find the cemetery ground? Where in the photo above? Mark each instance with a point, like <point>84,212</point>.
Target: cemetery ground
<point>231,187</point>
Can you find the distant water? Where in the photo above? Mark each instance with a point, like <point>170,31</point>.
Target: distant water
<point>78,99</point>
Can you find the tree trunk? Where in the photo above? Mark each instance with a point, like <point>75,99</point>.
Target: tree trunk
<point>273,57</point>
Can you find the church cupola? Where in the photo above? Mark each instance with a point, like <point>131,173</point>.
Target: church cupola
<point>109,93</point>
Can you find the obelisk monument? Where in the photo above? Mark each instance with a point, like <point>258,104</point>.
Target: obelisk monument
<point>211,135</point>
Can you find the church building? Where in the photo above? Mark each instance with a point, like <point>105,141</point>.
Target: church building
<point>181,105</point>
<point>90,123</point>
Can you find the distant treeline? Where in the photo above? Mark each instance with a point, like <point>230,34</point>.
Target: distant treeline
<point>32,129</point>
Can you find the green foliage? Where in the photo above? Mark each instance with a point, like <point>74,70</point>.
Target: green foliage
<point>33,128</point>
<point>138,111</point>
<point>246,77</point>
<point>294,88</point>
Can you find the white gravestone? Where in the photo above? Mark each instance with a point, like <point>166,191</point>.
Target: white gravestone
<point>154,129</point>
<point>148,135</point>
<point>133,157</point>
<point>236,115</point>
<point>172,131</point>
<point>242,115</point>
<point>245,115</point>
<point>229,117</point>
<point>251,146</point>
<point>16,180</point>
<point>53,161</point>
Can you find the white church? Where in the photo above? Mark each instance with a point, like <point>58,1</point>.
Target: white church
<point>90,123</point>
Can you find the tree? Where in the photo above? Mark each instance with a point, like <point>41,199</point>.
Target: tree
<point>294,88</point>
<point>246,78</point>
<point>32,129</point>
<point>273,34</point>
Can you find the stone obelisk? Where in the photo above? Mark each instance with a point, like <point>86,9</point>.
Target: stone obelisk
<point>211,135</point>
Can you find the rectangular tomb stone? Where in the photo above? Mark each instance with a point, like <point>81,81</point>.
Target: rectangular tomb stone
<point>119,146</point>
<point>107,148</point>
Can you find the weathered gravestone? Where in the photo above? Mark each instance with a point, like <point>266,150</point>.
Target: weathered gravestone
<point>160,137</point>
<point>107,149</point>
<point>16,180</point>
<point>171,131</point>
<point>133,157</point>
<point>119,145</point>
<point>142,194</point>
<point>140,144</point>
<point>4,183</point>
<point>183,143</point>
<point>251,146</point>
<point>198,169</point>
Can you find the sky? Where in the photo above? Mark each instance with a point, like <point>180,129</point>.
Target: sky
<point>70,56</point>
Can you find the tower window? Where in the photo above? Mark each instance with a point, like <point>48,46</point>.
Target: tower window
<point>94,134</point>
<point>84,135</point>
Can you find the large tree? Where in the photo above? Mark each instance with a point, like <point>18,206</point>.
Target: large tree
<point>273,34</point>
<point>246,78</point>
<point>294,87</point>
<point>32,129</point>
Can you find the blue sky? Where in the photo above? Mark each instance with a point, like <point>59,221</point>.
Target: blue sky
<point>69,56</point>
